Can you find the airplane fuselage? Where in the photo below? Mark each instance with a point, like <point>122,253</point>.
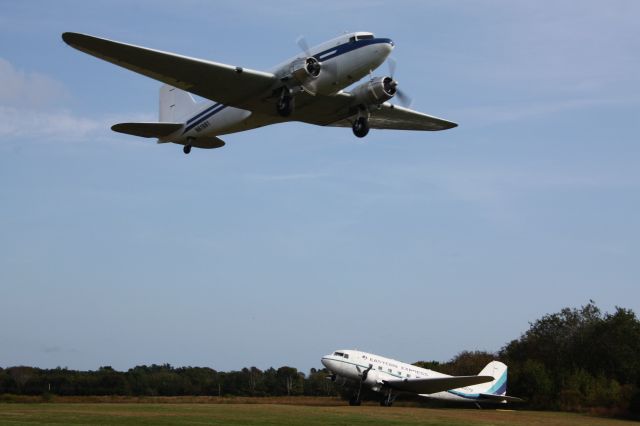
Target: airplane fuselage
<point>349,57</point>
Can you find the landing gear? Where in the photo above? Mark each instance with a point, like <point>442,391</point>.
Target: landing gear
<point>361,127</point>
<point>387,399</point>
<point>187,146</point>
<point>285,104</point>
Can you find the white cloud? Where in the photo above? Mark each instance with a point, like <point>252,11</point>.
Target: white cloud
<point>22,89</point>
<point>32,123</point>
<point>30,108</point>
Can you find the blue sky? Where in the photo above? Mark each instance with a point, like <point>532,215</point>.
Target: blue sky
<point>295,240</point>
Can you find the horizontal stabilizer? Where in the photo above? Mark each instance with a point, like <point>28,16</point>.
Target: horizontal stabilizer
<point>500,398</point>
<point>147,130</point>
<point>436,384</point>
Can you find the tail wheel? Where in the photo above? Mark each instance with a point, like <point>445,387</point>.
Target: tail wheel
<point>186,149</point>
<point>361,127</point>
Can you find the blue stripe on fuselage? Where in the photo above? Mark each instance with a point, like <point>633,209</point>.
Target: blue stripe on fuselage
<point>330,53</point>
<point>335,51</point>
<point>498,388</point>
<point>210,112</point>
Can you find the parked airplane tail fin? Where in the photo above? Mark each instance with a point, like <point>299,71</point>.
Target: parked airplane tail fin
<point>498,386</point>
<point>175,104</point>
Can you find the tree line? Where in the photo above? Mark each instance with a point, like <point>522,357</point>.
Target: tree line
<point>576,359</point>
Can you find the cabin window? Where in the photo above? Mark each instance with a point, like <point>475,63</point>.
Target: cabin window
<point>380,367</point>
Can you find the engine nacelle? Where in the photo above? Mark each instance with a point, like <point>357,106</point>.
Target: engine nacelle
<point>339,380</point>
<point>304,69</point>
<point>376,91</point>
<point>372,380</point>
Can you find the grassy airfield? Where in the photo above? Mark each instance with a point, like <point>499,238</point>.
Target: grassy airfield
<point>273,414</point>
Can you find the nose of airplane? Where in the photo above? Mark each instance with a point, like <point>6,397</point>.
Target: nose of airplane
<point>326,362</point>
<point>389,45</point>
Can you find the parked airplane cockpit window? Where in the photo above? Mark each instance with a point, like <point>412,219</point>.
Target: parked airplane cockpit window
<point>352,39</point>
<point>346,356</point>
<point>338,354</point>
<point>365,37</point>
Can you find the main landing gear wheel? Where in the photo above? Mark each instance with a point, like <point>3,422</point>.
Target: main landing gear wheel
<point>285,105</point>
<point>355,402</point>
<point>361,127</point>
<point>186,149</point>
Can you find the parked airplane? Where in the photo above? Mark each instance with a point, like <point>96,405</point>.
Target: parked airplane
<point>307,88</point>
<point>390,377</point>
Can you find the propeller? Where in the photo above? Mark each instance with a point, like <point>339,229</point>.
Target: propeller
<point>404,99</point>
<point>330,68</point>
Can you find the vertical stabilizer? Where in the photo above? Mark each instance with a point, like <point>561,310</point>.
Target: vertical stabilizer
<point>175,105</point>
<point>498,386</point>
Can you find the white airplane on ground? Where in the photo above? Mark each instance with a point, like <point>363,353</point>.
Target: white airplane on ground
<point>307,88</point>
<point>390,377</point>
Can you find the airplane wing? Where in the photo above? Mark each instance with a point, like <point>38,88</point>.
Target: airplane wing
<point>395,117</point>
<point>500,398</point>
<point>223,83</point>
<point>338,109</point>
<point>436,384</point>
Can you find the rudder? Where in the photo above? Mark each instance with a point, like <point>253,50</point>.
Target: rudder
<point>175,104</point>
<point>498,386</point>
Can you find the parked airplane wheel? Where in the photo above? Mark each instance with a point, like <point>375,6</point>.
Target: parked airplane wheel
<point>186,149</point>
<point>285,106</point>
<point>361,127</point>
<point>354,401</point>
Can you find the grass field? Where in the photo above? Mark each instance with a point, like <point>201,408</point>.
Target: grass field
<point>273,414</point>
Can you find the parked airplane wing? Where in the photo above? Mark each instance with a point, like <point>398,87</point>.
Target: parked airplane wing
<point>436,384</point>
<point>500,398</point>
<point>219,82</point>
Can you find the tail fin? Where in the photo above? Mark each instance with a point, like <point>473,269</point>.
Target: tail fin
<point>175,104</point>
<point>498,386</point>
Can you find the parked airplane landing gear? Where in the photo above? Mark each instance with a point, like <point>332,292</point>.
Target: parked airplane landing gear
<point>361,127</point>
<point>387,400</point>
<point>355,401</point>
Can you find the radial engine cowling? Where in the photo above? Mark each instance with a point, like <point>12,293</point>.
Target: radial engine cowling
<point>303,69</point>
<point>376,91</point>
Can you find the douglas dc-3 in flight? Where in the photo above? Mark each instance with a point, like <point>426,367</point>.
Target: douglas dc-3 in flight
<point>307,88</point>
<point>390,377</point>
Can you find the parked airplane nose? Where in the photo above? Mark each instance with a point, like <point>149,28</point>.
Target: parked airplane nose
<point>326,362</point>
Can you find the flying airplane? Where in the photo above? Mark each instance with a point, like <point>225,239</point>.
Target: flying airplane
<point>391,377</point>
<point>307,87</point>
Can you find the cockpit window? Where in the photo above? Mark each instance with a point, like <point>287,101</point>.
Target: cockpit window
<point>338,354</point>
<point>346,356</point>
<point>352,39</point>
<point>365,37</point>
